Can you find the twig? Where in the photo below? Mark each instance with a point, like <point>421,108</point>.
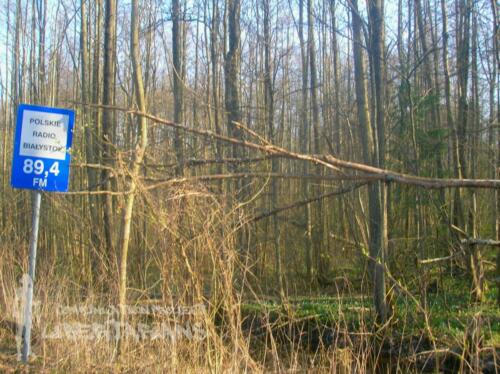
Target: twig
<point>94,166</point>
<point>306,202</point>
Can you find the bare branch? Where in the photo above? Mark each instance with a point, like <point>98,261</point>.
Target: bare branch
<point>308,201</point>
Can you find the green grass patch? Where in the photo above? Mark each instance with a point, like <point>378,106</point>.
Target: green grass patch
<point>450,312</point>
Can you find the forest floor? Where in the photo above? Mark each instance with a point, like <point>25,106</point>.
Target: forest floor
<point>441,338</point>
<point>449,312</point>
<point>443,341</point>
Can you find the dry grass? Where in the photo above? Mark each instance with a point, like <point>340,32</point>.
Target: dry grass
<point>187,253</point>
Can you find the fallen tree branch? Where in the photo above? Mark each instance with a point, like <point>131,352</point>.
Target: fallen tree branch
<point>201,162</point>
<point>478,241</point>
<point>327,161</point>
<point>92,192</point>
<point>469,242</point>
<point>439,259</point>
<point>159,182</point>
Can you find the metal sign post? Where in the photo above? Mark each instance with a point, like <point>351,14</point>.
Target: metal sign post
<point>27,313</point>
<point>40,162</point>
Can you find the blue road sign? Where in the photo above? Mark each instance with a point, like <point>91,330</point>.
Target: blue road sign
<point>42,148</point>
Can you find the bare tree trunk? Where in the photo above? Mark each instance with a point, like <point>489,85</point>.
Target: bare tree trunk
<point>336,78</point>
<point>232,65</point>
<point>476,262</point>
<point>178,78</point>
<point>214,59</point>
<point>194,100</point>
<point>443,206</point>
<point>378,202</point>
<point>42,22</point>
<point>140,149</point>
<point>496,147</point>
<point>269,105</point>
<point>304,145</point>
<point>8,119</point>
<point>372,154</point>
<point>96,209</point>
<point>317,226</point>
<point>457,217</point>
<point>339,133</point>
<point>232,72</point>
<point>108,120</point>
<point>33,77</point>
<point>432,118</point>
<point>89,136</point>
<point>463,53</point>
<point>16,91</point>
